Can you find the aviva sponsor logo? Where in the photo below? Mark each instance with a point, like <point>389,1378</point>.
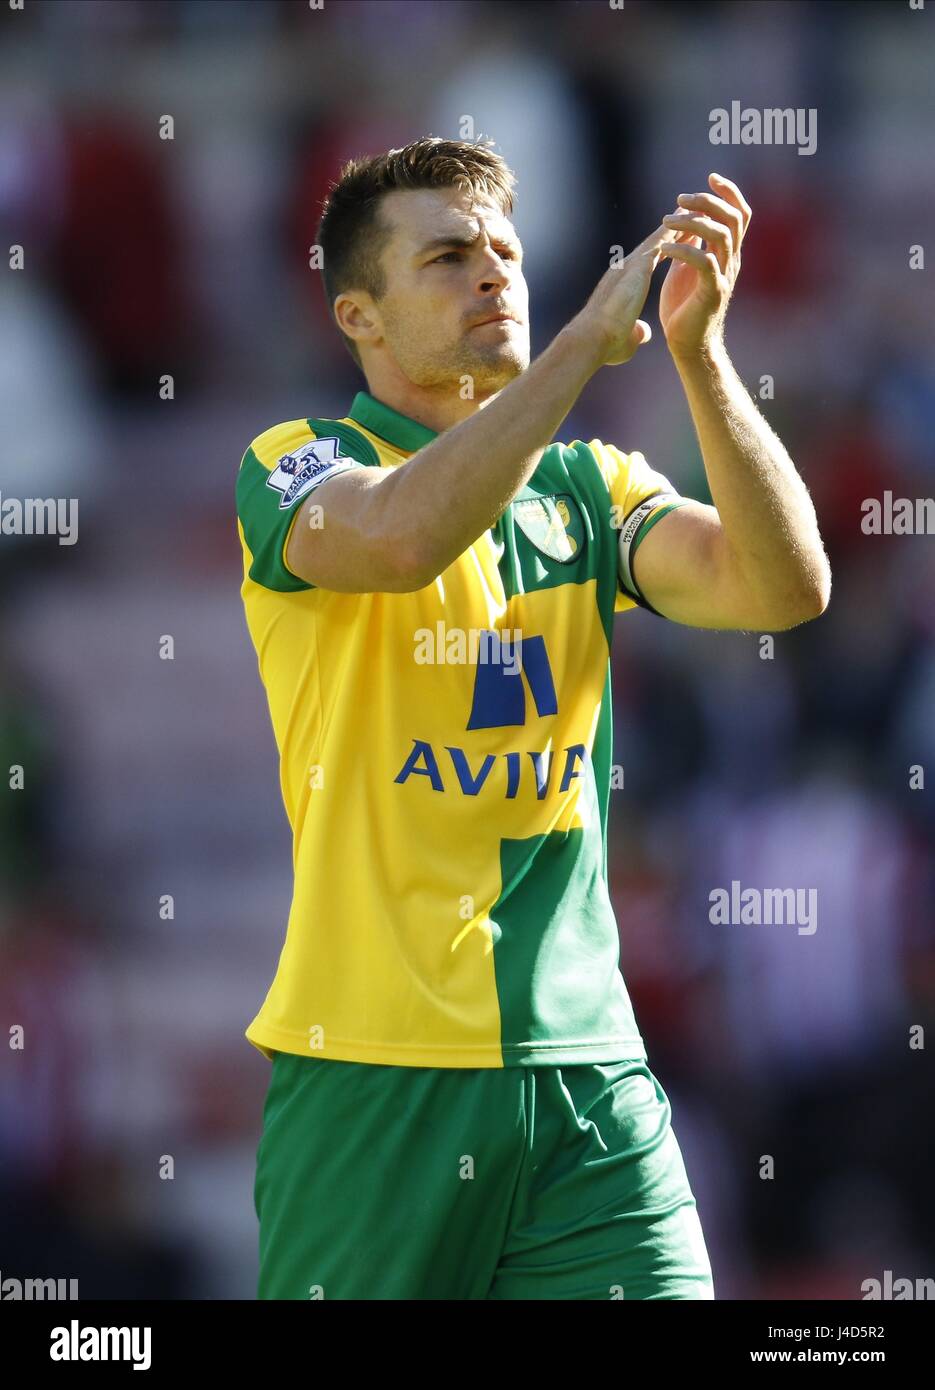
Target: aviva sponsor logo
<point>500,701</point>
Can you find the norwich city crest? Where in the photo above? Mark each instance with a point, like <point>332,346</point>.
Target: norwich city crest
<point>553,524</point>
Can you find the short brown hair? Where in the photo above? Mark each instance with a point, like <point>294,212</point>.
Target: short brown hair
<point>350,233</point>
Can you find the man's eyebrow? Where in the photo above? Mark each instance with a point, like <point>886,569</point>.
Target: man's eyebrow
<point>465,242</point>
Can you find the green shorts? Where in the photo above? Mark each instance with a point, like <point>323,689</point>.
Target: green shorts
<point>387,1182</point>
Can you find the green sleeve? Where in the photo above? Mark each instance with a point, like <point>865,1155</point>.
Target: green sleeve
<point>269,498</point>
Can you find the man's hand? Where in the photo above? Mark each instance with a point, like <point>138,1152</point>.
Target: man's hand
<point>611,315</point>
<point>699,283</point>
<point>755,558</point>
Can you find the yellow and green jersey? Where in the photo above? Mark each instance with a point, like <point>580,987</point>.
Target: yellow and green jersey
<point>445,762</point>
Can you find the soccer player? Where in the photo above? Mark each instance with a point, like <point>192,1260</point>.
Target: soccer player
<point>460,1104</point>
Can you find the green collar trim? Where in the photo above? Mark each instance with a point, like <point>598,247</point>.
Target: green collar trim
<point>398,430</point>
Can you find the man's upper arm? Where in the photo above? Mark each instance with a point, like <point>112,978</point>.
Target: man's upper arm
<point>680,567</point>
<point>278,473</point>
<point>673,554</point>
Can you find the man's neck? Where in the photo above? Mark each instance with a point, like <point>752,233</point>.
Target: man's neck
<point>437,409</point>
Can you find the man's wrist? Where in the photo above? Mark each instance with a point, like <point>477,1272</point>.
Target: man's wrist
<point>584,343</point>
<point>708,356</point>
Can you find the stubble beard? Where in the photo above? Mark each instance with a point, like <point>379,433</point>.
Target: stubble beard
<point>487,369</point>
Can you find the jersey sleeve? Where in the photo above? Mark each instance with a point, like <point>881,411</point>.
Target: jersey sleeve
<point>639,497</point>
<point>277,472</point>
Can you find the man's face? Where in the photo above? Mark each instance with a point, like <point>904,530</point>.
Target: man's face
<point>450,264</point>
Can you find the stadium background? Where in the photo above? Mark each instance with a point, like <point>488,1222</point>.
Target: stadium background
<point>146,777</point>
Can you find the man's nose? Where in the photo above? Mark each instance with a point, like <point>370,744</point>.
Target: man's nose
<point>494,272</point>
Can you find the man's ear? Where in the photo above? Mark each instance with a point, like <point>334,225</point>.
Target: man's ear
<point>358,317</point>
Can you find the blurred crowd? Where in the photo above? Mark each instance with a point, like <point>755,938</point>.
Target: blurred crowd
<point>129,1117</point>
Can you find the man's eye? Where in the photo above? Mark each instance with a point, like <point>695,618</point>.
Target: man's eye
<point>444,256</point>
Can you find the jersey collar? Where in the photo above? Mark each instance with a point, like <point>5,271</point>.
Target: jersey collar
<point>404,434</point>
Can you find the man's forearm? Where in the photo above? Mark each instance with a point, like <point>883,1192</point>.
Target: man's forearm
<point>457,486</point>
<point>766,513</point>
